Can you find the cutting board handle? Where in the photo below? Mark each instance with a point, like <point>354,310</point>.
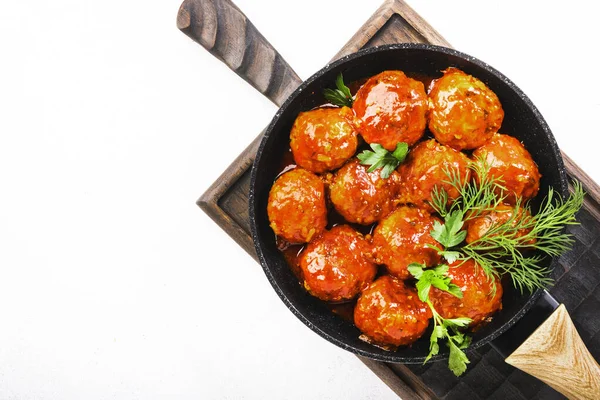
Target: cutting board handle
<point>555,354</point>
<point>221,28</point>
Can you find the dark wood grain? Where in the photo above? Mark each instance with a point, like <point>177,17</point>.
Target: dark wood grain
<point>226,201</point>
<point>212,203</point>
<point>221,28</point>
<point>403,25</point>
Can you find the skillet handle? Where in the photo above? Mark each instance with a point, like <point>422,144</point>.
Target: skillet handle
<point>222,29</point>
<point>555,354</point>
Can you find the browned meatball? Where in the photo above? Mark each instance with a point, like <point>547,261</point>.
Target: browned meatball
<point>336,265</point>
<point>362,197</point>
<point>390,313</point>
<point>402,238</point>
<point>511,162</point>
<point>479,226</point>
<point>323,139</point>
<point>296,206</point>
<point>391,108</point>
<point>464,112</point>
<point>478,301</point>
<point>425,167</point>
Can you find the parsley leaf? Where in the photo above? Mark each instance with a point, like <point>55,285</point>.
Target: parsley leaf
<point>450,255</point>
<point>436,277</point>
<point>381,158</point>
<point>449,233</point>
<point>340,96</point>
<point>458,359</point>
<point>442,327</point>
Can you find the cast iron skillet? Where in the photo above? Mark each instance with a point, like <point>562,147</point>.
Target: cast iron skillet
<point>522,120</point>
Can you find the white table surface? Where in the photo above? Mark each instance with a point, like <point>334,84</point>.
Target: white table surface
<point>113,284</point>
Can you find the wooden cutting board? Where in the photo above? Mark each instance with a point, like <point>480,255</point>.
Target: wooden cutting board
<point>577,285</point>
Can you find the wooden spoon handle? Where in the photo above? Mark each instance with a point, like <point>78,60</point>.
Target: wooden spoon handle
<point>555,354</point>
<point>221,28</point>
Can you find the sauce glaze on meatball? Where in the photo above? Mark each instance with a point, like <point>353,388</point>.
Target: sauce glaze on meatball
<point>464,112</point>
<point>402,238</point>
<point>511,162</point>
<point>296,206</point>
<point>362,197</point>
<point>478,301</point>
<point>479,226</point>
<point>336,265</point>
<point>391,108</point>
<point>323,139</point>
<point>425,167</point>
<point>390,313</point>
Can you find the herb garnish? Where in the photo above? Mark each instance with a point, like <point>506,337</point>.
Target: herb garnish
<point>449,235</point>
<point>341,96</point>
<point>502,249</point>
<point>381,158</point>
<point>448,328</point>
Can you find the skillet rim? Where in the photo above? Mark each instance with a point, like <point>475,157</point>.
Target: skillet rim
<point>391,356</point>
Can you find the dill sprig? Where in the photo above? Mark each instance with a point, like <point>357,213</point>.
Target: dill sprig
<point>474,198</point>
<point>504,248</point>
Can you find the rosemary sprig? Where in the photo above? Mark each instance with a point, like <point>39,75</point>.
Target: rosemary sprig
<point>340,96</point>
<point>448,328</point>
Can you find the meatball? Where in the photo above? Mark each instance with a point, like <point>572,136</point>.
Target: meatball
<point>323,139</point>
<point>391,108</point>
<point>479,300</point>
<point>511,163</point>
<point>425,167</point>
<point>464,112</point>
<point>362,197</point>
<point>296,206</point>
<point>402,238</point>
<point>390,313</point>
<point>336,265</point>
<point>479,226</point>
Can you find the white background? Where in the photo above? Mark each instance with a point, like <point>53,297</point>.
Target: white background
<point>113,284</point>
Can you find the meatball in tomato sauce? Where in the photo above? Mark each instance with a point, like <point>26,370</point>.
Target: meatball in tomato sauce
<point>362,197</point>
<point>464,112</point>
<point>479,299</point>
<point>511,163</point>
<point>488,222</point>
<point>336,265</point>
<point>296,206</point>
<point>323,139</point>
<point>402,238</point>
<point>426,167</point>
<point>390,313</point>
<point>391,108</point>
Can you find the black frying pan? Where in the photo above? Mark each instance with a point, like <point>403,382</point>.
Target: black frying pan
<point>522,120</point>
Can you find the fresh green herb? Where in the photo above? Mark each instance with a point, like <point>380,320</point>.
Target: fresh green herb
<point>381,158</point>
<point>340,96</point>
<point>474,198</point>
<point>503,247</point>
<point>501,250</point>
<point>436,277</point>
<point>443,328</point>
<point>449,233</point>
